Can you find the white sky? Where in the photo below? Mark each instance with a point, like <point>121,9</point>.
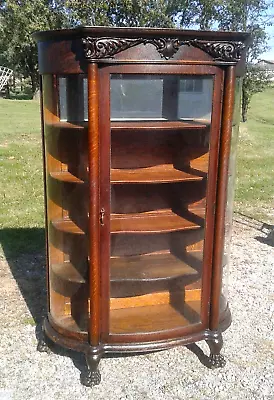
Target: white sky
<point>269,55</point>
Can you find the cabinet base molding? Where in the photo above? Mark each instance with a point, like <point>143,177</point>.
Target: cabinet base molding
<point>92,377</point>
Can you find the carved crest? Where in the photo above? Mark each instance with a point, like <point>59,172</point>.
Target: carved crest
<point>106,47</point>
<point>167,47</point>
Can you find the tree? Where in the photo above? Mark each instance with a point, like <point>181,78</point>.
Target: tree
<point>255,80</point>
<point>149,13</point>
<point>249,16</point>
<point>18,20</point>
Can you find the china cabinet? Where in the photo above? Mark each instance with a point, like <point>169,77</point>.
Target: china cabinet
<point>137,127</point>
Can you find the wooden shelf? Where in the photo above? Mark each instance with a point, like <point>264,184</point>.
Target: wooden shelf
<point>154,318</point>
<point>67,272</point>
<point>65,176</point>
<point>73,125</point>
<point>66,225</point>
<point>153,299</point>
<point>150,222</point>
<point>156,174</point>
<point>152,267</point>
<point>146,222</point>
<point>66,279</point>
<point>145,125</point>
<point>68,322</point>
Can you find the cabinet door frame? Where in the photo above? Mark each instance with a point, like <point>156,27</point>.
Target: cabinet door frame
<point>105,146</point>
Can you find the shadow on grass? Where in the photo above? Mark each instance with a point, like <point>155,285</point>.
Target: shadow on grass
<point>24,249</point>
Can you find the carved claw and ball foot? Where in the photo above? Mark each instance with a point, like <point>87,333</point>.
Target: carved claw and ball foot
<point>43,346</point>
<point>215,344</point>
<point>92,376</point>
<point>216,361</point>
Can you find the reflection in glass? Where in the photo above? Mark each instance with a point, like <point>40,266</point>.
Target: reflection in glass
<point>73,97</point>
<point>160,97</point>
<point>137,98</point>
<point>195,98</point>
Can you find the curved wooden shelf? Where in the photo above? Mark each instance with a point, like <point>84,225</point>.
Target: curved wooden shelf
<point>73,125</point>
<point>67,226</point>
<point>145,125</point>
<point>66,279</point>
<point>67,322</point>
<point>68,273</point>
<point>156,174</point>
<point>153,267</point>
<point>150,222</point>
<point>65,176</point>
<point>153,318</point>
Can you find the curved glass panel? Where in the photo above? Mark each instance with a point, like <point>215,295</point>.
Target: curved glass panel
<point>67,197</point>
<point>230,193</point>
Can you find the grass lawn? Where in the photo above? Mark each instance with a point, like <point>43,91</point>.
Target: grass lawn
<point>22,204</point>
<point>255,160</point>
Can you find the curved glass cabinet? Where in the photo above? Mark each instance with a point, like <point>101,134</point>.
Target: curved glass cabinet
<point>137,130</point>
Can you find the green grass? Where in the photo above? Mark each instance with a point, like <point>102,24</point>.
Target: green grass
<point>255,161</point>
<point>21,194</point>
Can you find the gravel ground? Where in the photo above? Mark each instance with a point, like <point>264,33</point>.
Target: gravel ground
<point>174,374</point>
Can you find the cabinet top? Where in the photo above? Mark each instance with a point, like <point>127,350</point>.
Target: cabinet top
<point>70,50</point>
<point>102,31</point>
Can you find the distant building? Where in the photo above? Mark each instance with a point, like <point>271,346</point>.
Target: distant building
<point>268,66</point>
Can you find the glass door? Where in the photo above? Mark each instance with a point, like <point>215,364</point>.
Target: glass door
<point>161,136</point>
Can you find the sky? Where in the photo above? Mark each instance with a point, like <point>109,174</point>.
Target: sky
<point>269,55</point>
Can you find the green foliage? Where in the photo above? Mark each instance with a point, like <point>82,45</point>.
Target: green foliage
<point>20,18</point>
<point>150,13</point>
<point>256,80</point>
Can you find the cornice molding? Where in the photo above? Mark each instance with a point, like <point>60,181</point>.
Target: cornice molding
<point>106,47</point>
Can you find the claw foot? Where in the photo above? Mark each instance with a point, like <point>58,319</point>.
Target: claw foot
<point>91,378</point>
<point>43,346</point>
<point>216,361</point>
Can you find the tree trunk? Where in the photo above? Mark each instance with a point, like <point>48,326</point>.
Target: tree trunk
<point>33,83</point>
<point>245,104</point>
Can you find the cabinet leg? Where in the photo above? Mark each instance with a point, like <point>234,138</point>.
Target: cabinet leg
<point>43,346</point>
<point>215,344</point>
<point>92,377</point>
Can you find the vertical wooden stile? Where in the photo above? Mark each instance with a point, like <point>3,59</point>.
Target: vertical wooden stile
<point>45,188</point>
<point>227,115</point>
<point>94,223</point>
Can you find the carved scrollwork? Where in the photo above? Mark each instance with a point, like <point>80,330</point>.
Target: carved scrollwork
<point>224,51</point>
<point>96,48</point>
<point>106,47</point>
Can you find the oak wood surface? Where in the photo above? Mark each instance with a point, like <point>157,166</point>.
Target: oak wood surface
<point>150,222</point>
<point>165,125</point>
<point>155,318</point>
<point>156,174</point>
<point>150,267</point>
<point>94,207</point>
<point>65,176</point>
<point>226,130</point>
<point>170,223</point>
